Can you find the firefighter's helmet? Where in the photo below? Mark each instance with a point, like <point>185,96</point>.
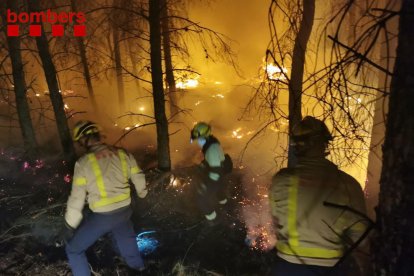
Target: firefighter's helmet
<point>201,129</point>
<point>310,128</point>
<point>84,128</point>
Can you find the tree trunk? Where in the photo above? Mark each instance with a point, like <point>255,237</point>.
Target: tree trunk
<point>55,96</point>
<point>298,64</point>
<point>163,148</point>
<point>84,61</point>
<point>169,72</point>
<point>386,49</point>
<point>117,57</point>
<point>394,246</point>
<point>20,89</point>
<point>134,62</point>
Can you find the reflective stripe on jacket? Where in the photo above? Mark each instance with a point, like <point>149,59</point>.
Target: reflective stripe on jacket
<point>102,178</point>
<point>309,232</point>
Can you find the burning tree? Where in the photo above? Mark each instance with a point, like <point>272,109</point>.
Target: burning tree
<point>327,87</point>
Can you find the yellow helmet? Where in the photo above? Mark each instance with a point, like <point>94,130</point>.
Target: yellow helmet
<point>311,127</point>
<point>84,128</point>
<point>201,129</point>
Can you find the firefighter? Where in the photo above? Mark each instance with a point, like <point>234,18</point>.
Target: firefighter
<point>312,234</point>
<point>211,190</point>
<point>101,177</point>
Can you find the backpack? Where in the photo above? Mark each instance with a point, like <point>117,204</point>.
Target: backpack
<point>227,164</point>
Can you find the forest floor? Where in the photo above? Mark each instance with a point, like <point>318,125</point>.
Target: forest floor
<point>173,236</point>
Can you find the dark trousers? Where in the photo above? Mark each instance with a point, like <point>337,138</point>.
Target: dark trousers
<point>285,268</point>
<point>95,226</point>
<point>209,193</point>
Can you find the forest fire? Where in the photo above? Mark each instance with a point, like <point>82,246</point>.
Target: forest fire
<point>289,105</point>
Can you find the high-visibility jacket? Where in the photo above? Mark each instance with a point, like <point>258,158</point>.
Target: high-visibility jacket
<point>309,232</point>
<point>101,178</point>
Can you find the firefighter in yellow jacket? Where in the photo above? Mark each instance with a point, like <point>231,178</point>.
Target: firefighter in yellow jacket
<point>312,236</point>
<point>101,178</point>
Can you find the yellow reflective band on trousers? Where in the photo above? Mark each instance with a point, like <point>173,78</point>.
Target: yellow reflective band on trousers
<point>293,246</point>
<point>105,200</point>
<point>124,164</point>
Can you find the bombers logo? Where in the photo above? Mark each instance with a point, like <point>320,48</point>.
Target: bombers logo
<point>36,18</point>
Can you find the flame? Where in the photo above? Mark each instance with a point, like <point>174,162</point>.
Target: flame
<point>131,127</point>
<point>174,181</point>
<point>178,183</point>
<point>274,72</point>
<point>237,133</point>
<point>187,84</point>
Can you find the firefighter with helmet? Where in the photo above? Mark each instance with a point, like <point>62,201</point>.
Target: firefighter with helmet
<point>311,235</point>
<point>101,178</point>
<point>211,190</point>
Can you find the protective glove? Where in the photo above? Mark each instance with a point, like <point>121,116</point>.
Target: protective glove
<point>143,193</point>
<point>64,235</point>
